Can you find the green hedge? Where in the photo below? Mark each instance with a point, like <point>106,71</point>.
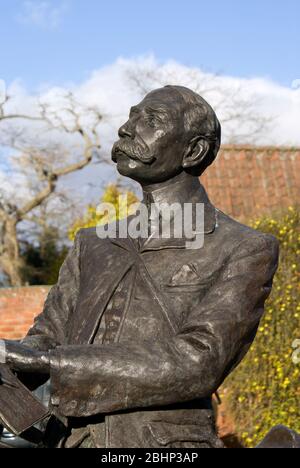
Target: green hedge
<point>265,389</point>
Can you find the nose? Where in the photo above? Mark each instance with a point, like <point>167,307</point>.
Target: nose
<point>126,130</point>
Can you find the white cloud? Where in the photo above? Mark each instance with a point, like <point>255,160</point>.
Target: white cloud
<point>42,14</point>
<point>113,91</point>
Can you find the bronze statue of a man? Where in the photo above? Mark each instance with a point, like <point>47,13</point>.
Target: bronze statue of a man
<point>138,333</point>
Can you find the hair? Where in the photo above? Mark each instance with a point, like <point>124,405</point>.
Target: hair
<point>200,120</point>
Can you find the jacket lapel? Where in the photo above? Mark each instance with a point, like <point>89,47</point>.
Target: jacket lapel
<point>110,260</point>
<point>110,266</point>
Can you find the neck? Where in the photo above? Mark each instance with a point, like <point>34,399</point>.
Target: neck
<point>177,189</point>
<point>179,178</point>
<point>183,179</point>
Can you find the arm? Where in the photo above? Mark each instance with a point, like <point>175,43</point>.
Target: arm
<point>48,331</point>
<point>99,379</point>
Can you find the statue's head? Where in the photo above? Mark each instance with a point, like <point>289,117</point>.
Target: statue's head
<point>172,130</point>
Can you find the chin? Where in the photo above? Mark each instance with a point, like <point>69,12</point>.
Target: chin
<point>124,164</point>
<point>134,175</point>
<point>124,171</point>
<point>129,167</point>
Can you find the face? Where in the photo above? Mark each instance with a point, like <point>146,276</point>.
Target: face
<point>152,143</point>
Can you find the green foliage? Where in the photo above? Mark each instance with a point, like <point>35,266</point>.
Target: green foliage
<point>43,260</point>
<point>120,199</point>
<point>265,389</point>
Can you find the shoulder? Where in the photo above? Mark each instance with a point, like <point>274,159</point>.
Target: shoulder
<point>86,240</point>
<point>97,236</point>
<point>244,238</point>
<point>101,233</point>
<point>86,233</point>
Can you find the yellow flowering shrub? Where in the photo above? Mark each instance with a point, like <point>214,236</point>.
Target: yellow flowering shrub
<point>265,389</point>
<point>122,200</point>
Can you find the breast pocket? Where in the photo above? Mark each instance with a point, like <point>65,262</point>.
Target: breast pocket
<point>186,279</point>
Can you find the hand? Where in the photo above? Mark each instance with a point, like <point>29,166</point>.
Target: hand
<point>23,359</point>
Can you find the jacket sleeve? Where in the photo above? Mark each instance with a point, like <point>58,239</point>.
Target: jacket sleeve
<point>49,327</point>
<point>192,364</point>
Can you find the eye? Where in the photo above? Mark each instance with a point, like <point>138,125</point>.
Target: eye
<point>152,120</point>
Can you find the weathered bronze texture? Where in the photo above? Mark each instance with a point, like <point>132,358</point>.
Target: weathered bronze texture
<point>138,334</point>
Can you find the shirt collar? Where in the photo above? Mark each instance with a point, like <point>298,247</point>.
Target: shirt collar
<point>183,191</point>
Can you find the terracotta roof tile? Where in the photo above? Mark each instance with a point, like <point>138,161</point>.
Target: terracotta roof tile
<point>246,181</point>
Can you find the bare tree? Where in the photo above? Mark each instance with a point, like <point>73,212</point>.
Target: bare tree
<point>234,105</point>
<point>63,141</point>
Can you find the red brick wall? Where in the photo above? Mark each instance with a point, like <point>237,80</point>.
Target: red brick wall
<point>245,182</point>
<point>18,307</point>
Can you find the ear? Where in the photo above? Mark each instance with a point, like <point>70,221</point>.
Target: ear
<point>195,152</point>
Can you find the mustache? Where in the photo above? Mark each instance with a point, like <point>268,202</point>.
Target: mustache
<point>137,150</point>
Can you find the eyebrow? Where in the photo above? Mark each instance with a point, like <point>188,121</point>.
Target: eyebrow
<point>150,110</point>
<point>159,109</point>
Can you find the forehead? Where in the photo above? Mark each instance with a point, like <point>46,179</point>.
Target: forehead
<point>164,99</point>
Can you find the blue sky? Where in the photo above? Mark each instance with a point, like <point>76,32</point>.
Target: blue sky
<point>61,41</point>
